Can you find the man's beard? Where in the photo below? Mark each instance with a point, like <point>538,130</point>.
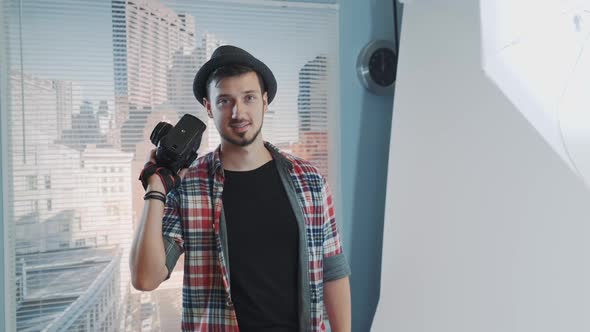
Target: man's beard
<point>243,142</point>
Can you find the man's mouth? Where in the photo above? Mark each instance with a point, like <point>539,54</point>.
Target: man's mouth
<point>240,127</point>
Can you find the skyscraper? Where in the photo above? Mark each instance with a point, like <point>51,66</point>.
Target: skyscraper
<point>45,109</point>
<point>65,104</point>
<point>312,110</point>
<point>150,42</point>
<point>104,118</point>
<point>180,88</point>
<point>146,34</point>
<point>85,129</point>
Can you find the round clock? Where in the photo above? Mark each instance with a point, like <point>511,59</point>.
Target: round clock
<point>377,67</point>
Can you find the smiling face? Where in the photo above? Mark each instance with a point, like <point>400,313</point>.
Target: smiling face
<point>237,106</point>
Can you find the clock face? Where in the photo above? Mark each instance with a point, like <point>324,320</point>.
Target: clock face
<point>382,66</point>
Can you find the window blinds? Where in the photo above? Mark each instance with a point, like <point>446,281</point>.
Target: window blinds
<point>83,84</point>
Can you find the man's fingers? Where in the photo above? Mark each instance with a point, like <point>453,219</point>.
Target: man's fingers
<point>152,156</point>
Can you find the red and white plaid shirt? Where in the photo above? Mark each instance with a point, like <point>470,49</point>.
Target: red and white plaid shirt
<point>194,224</point>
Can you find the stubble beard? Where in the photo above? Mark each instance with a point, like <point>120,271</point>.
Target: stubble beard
<point>243,141</point>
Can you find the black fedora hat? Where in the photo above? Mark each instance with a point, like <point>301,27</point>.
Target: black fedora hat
<point>232,55</point>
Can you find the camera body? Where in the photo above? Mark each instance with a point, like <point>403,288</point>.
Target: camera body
<point>177,145</point>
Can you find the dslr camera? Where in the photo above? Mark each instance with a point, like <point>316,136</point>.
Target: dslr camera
<point>177,145</point>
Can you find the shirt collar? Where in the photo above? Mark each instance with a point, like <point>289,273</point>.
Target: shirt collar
<point>215,160</point>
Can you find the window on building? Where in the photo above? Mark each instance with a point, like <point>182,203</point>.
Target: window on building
<point>31,182</point>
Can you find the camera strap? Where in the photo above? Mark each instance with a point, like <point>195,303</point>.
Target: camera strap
<point>169,179</point>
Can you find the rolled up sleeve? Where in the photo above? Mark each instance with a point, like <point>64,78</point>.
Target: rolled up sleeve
<point>172,231</point>
<point>335,263</point>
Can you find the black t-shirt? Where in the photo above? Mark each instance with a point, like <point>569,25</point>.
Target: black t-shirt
<point>263,250</point>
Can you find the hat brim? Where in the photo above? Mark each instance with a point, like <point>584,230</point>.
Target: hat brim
<point>200,82</point>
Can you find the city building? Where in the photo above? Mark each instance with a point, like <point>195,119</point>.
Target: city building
<point>312,110</point>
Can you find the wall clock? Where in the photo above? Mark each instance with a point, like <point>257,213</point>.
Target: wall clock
<point>377,67</point>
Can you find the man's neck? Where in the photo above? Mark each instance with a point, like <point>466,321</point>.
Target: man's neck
<point>244,158</point>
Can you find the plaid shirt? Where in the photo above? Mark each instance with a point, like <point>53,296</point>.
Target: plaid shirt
<point>194,223</point>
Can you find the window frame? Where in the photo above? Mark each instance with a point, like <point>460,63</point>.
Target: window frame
<point>6,309</point>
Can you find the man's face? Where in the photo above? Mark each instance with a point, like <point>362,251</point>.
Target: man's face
<point>237,106</point>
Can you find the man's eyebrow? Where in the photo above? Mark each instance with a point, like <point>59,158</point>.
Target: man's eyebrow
<point>227,95</point>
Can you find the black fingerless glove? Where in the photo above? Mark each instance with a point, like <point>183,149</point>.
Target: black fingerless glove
<point>169,179</point>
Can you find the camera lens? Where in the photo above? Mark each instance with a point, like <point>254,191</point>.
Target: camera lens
<point>159,131</point>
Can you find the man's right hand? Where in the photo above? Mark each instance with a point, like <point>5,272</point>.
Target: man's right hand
<point>154,182</point>
<point>147,258</point>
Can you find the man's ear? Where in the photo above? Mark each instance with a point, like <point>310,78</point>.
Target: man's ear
<point>265,101</point>
<point>207,107</point>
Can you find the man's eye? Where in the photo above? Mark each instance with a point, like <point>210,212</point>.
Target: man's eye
<point>250,97</point>
<point>222,101</point>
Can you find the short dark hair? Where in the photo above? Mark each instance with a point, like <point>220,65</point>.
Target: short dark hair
<point>231,71</point>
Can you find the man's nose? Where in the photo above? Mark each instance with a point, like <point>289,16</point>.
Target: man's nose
<point>236,110</point>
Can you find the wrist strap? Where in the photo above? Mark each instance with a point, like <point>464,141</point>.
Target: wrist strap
<point>168,178</point>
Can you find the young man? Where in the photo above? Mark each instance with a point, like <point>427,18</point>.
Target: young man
<point>256,225</point>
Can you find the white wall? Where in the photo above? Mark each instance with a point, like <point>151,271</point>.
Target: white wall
<point>486,227</point>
